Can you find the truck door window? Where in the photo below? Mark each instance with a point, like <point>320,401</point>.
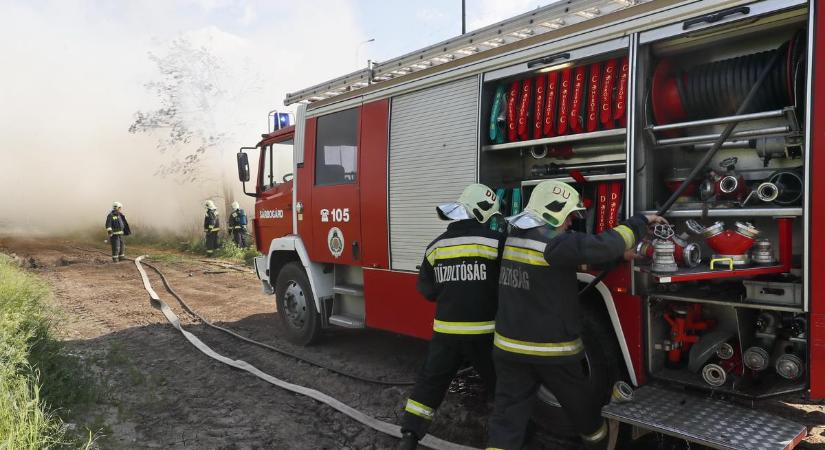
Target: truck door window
<point>277,163</point>
<point>336,148</point>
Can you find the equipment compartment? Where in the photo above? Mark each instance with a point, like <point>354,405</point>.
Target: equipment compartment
<point>743,351</point>
<point>562,113</point>
<point>691,89</point>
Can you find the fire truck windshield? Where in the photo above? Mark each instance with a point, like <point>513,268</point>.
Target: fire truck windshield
<point>277,165</point>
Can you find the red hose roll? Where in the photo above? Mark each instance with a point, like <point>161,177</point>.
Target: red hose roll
<point>550,105</point>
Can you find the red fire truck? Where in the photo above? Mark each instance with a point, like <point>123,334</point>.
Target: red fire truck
<point>622,99</point>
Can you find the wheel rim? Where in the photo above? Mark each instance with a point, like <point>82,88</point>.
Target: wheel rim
<point>295,305</point>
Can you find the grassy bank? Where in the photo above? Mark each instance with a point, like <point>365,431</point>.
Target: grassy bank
<point>36,378</point>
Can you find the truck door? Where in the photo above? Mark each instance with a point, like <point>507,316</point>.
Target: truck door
<point>274,204</point>
<point>335,207</point>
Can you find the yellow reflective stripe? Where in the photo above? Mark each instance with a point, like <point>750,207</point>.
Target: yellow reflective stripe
<point>462,251</point>
<point>117,232</point>
<point>214,229</point>
<point>115,218</point>
<point>627,234</point>
<point>464,327</point>
<point>524,255</point>
<point>538,348</point>
<point>419,410</point>
<point>598,435</point>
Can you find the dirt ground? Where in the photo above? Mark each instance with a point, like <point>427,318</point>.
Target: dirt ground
<point>157,391</point>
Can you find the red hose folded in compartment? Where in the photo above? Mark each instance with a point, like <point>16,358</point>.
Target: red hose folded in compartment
<point>608,80</point>
<point>524,109</point>
<point>615,204</point>
<point>550,106</point>
<point>512,100</point>
<point>601,216</point>
<point>564,101</point>
<point>538,121</point>
<point>620,114</point>
<point>593,97</point>
<point>576,105</point>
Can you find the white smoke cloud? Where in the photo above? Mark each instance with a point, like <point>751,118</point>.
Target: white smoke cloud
<point>73,76</point>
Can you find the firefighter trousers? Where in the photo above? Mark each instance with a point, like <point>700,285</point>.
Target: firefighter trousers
<point>239,237</point>
<point>516,390</point>
<point>118,248</point>
<point>211,242</point>
<point>444,358</point>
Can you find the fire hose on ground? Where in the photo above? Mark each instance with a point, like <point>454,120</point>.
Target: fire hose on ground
<point>208,323</point>
<point>378,425</point>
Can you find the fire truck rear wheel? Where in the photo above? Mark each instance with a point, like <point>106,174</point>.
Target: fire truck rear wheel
<point>296,305</point>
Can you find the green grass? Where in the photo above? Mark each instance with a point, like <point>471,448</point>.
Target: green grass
<point>36,378</point>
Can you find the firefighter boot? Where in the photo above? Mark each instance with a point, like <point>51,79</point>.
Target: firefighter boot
<point>409,441</point>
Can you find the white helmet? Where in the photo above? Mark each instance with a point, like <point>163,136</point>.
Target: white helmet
<point>476,202</point>
<point>117,205</point>
<point>209,204</point>
<point>550,203</point>
<point>236,205</point>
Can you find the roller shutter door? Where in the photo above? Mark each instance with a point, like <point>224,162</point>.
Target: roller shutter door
<point>433,157</point>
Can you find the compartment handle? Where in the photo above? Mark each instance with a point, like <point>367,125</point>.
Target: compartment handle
<point>548,60</point>
<point>773,291</point>
<point>716,17</point>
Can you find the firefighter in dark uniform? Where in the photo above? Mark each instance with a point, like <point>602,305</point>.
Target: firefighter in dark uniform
<point>211,226</point>
<point>538,325</point>
<point>237,225</point>
<point>116,228</point>
<point>459,273</point>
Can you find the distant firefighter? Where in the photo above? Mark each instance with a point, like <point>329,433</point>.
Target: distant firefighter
<point>237,225</point>
<point>116,228</point>
<point>211,226</point>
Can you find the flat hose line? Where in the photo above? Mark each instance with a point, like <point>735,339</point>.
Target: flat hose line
<point>378,425</point>
<point>206,321</point>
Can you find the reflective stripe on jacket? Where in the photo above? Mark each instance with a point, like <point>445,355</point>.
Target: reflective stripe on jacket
<point>539,317</point>
<point>459,272</point>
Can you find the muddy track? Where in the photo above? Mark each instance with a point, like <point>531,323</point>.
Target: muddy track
<point>159,392</point>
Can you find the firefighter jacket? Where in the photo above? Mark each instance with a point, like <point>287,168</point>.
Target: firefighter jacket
<point>237,220</point>
<point>459,273</point>
<point>116,223</point>
<point>211,223</point>
<point>539,319</point>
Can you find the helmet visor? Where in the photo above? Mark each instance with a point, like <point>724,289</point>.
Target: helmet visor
<point>453,211</point>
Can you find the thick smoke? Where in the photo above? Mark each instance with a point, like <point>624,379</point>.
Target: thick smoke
<point>74,74</point>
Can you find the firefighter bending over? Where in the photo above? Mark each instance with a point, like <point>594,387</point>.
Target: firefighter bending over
<point>116,228</point>
<point>237,225</point>
<point>459,273</point>
<point>211,226</point>
<point>538,325</point>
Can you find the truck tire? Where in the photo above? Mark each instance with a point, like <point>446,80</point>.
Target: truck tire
<point>604,362</point>
<point>296,305</point>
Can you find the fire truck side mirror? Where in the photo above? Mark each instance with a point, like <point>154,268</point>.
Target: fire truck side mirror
<point>243,167</point>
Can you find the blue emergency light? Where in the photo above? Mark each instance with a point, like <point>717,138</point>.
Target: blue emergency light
<point>283,120</point>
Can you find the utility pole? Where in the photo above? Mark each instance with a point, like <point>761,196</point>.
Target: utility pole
<point>463,17</point>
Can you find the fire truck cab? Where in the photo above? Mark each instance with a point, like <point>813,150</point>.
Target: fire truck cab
<point>621,99</point>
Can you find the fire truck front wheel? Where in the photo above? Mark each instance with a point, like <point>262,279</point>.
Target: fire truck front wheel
<point>296,305</point>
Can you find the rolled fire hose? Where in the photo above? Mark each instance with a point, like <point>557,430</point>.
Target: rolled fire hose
<point>378,425</point>
<point>707,157</point>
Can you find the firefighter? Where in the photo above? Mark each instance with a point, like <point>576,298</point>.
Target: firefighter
<point>538,325</point>
<point>459,273</point>
<point>211,226</point>
<point>237,225</point>
<point>116,228</point>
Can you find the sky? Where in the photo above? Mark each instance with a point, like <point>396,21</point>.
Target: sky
<point>75,73</point>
